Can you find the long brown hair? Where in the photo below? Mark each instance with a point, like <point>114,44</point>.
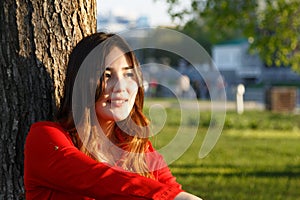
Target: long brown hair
<point>134,144</point>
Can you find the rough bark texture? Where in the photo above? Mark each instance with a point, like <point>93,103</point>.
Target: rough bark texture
<point>35,40</point>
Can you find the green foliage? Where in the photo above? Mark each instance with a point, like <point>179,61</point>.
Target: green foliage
<point>273,27</point>
<point>228,19</point>
<point>277,34</point>
<point>198,32</point>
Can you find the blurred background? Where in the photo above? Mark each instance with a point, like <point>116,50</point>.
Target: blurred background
<point>254,44</point>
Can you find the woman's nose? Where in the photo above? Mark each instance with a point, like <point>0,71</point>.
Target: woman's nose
<point>120,85</point>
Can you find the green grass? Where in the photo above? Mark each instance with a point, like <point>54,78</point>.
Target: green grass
<point>256,157</point>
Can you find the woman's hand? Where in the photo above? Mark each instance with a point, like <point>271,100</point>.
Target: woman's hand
<point>186,196</point>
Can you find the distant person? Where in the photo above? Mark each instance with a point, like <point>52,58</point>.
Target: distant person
<point>153,87</point>
<point>183,85</point>
<point>221,85</point>
<point>98,146</point>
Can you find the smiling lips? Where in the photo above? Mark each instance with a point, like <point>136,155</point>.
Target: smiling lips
<point>117,102</point>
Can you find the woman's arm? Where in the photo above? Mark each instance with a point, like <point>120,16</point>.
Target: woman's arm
<point>160,168</point>
<point>186,196</point>
<point>52,161</point>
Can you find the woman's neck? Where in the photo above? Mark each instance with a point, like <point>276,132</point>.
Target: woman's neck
<point>107,126</point>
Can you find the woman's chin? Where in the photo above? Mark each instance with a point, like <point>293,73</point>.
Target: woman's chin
<point>119,116</point>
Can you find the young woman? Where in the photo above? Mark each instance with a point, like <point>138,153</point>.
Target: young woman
<point>98,147</point>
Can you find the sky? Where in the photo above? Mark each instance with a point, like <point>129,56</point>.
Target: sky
<point>156,11</point>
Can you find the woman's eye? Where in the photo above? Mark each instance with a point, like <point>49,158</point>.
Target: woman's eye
<point>129,74</point>
<point>107,75</point>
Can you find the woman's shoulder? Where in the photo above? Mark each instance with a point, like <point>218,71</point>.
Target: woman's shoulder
<point>48,131</point>
<point>46,125</point>
<point>150,147</point>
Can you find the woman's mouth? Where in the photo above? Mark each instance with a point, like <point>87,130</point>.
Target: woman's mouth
<point>117,102</point>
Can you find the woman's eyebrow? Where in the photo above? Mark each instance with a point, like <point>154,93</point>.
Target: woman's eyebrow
<point>123,68</point>
<point>127,68</point>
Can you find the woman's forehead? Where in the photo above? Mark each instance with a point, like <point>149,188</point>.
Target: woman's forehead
<point>115,54</point>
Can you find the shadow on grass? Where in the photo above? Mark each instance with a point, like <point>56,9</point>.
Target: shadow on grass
<point>234,171</point>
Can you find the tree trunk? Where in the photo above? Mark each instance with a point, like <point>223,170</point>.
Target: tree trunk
<point>35,40</point>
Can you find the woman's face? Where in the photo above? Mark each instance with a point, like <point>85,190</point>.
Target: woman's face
<point>120,90</point>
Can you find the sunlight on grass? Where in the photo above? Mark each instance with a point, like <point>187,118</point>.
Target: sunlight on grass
<point>293,134</point>
<point>256,157</point>
<point>246,167</point>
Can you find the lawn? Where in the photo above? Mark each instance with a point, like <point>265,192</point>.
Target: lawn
<point>256,157</point>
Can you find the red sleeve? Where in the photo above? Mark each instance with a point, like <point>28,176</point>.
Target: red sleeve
<point>52,161</point>
<point>160,168</point>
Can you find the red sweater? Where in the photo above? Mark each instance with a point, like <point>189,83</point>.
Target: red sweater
<point>55,169</point>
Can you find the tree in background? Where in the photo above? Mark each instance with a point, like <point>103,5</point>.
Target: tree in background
<point>271,26</point>
<point>35,40</point>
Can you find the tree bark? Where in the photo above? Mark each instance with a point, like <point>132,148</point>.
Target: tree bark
<point>35,40</point>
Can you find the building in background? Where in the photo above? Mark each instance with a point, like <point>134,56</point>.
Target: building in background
<point>237,65</point>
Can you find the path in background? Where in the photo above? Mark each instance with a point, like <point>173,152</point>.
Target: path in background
<point>203,105</point>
